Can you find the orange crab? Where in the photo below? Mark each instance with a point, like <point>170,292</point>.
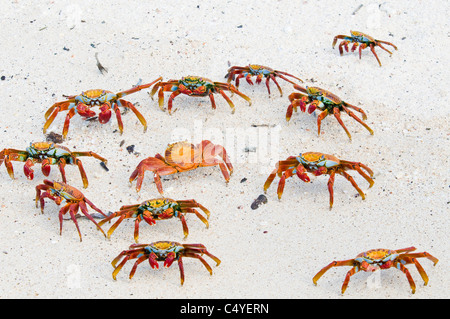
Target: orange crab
<point>157,209</point>
<point>318,164</point>
<point>72,198</point>
<point>375,259</point>
<point>47,154</point>
<point>166,251</point>
<point>326,102</point>
<point>195,86</point>
<point>181,157</point>
<point>259,71</point>
<point>106,100</point>
<point>366,41</point>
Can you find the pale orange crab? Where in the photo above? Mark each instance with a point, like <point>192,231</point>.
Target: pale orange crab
<point>181,157</point>
<point>318,164</point>
<point>375,259</point>
<point>260,72</point>
<point>72,199</point>
<point>166,251</point>
<point>106,101</point>
<point>157,209</point>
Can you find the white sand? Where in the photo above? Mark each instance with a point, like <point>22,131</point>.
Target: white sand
<point>271,252</point>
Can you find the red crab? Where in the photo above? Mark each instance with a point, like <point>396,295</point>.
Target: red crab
<point>106,100</point>
<point>166,251</point>
<point>375,259</point>
<point>326,102</point>
<point>318,164</point>
<point>366,41</point>
<point>259,71</point>
<point>72,198</point>
<point>181,157</point>
<point>47,154</point>
<point>195,86</point>
<point>157,209</point>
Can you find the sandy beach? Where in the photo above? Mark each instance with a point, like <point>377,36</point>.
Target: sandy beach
<point>49,50</point>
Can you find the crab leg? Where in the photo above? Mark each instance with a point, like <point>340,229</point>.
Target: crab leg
<point>171,97</point>
<point>349,262</point>
<point>69,115</point>
<point>372,48</point>
<point>73,208</point>
<point>385,42</point>
<point>364,116</point>
<point>408,275</point>
<point>352,181</point>
<point>272,77</point>
<point>213,103</point>
<point>340,37</point>
<point>280,74</point>
<point>137,88</point>
<point>192,203</point>
<point>193,211</point>
<point>337,115</point>
<point>288,173</point>
<point>330,187</point>
<point>93,206</point>
<point>135,111</point>
<point>138,261</point>
<point>230,103</point>
<point>350,273</point>
<point>319,120</point>
<point>118,117</point>
<point>193,255</point>
<point>61,165</point>
<point>357,119</point>
<point>84,210</point>
<point>62,212</point>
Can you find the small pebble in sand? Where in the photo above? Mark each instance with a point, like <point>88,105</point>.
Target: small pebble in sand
<point>262,199</point>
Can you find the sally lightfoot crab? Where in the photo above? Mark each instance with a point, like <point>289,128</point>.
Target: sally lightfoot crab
<point>47,154</point>
<point>166,251</point>
<point>157,209</point>
<point>106,101</point>
<point>318,164</point>
<point>326,102</point>
<point>195,86</point>
<point>237,72</point>
<point>375,259</point>
<point>181,157</point>
<point>364,41</point>
<point>72,198</point>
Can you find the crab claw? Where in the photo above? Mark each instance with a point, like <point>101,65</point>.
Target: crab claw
<point>303,176</point>
<point>84,110</point>
<point>302,106</point>
<point>105,113</point>
<point>29,173</point>
<point>46,167</point>
<point>169,259</point>
<point>152,259</point>
<point>311,108</point>
<point>149,220</point>
<point>320,171</point>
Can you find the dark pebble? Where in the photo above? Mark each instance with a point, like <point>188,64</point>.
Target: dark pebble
<point>130,149</point>
<point>54,137</point>
<point>262,199</point>
<point>102,164</point>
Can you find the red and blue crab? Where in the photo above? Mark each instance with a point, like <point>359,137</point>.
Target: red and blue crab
<point>157,209</point>
<point>47,154</point>
<point>72,198</point>
<point>195,86</point>
<point>364,41</point>
<point>326,102</point>
<point>318,164</point>
<point>166,251</point>
<point>376,259</point>
<point>106,100</point>
<point>260,72</point>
